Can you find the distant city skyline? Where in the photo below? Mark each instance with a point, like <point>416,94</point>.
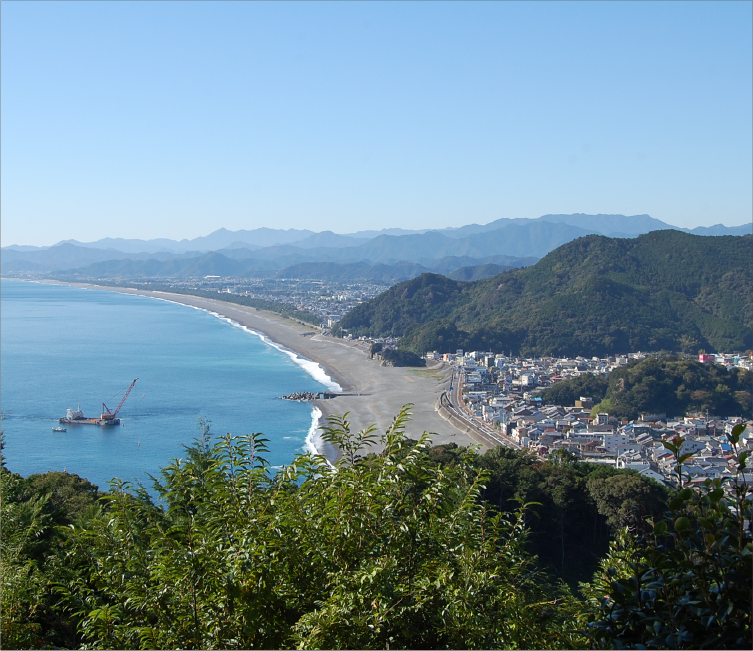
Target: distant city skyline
<point>172,120</point>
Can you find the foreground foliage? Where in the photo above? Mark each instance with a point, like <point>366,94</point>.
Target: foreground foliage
<point>688,583</point>
<point>579,506</point>
<point>406,548</point>
<point>36,514</point>
<point>397,552</point>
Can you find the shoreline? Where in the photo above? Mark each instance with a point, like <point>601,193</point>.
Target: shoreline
<point>370,393</point>
<point>313,442</point>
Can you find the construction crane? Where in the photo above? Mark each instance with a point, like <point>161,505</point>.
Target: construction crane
<point>108,415</point>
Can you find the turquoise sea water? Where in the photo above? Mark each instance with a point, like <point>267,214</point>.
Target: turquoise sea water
<point>61,346</point>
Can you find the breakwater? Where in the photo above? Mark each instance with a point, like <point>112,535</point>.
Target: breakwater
<point>308,395</point>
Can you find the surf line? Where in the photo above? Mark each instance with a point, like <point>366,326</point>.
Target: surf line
<point>315,370</point>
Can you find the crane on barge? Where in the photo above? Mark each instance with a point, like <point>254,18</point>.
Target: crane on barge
<point>107,417</point>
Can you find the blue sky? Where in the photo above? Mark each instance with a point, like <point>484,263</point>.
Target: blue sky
<point>169,119</point>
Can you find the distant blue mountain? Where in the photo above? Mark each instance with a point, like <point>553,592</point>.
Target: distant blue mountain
<point>219,239</point>
<point>328,238</point>
<point>267,250</point>
<point>721,229</point>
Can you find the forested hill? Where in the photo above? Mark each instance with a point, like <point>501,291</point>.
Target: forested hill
<point>665,290</point>
<point>661,385</point>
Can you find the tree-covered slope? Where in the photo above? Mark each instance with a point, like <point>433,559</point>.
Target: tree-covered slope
<point>566,392</point>
<point>477,272</point>
<point>412,547</point>
<point>426,298</point>
<point>666,290</point>
<point>676,387</point>
<point>663,384</point>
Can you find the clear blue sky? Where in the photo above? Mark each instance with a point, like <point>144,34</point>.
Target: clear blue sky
<point>170,119</point>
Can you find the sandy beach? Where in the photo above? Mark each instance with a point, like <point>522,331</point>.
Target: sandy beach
<point>371,393</point>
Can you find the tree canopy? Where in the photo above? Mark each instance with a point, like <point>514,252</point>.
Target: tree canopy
<point>666,384</point>
<point>408,547</point>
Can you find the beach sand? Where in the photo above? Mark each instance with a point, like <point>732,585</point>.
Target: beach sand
<point>373,394</point>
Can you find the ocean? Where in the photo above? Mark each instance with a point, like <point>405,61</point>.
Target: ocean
<point>64,346</point>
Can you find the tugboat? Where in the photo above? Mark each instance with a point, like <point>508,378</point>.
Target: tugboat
<point>107,417</point>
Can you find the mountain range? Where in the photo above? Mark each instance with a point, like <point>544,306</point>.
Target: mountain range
<point>665,290</point>
<point>612,225</point>
<point>383,256</point>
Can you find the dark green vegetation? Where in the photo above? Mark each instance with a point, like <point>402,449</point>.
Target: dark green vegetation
<point>477,272</point>
<point>566,392</point>
<point>688,581</point>
<point>37,513</point>
<point>413,547</point>
<point>395,357</point>
<point>579,506</point>
<point>676,387</point>
<point>663,384</point>
<point>666,290</point>
<point>397,551</point>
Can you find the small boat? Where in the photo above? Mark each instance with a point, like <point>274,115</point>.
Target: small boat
<point>59,429</point>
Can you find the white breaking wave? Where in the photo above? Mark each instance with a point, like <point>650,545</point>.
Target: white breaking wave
<point>310,444</point>
<point>312,368</point>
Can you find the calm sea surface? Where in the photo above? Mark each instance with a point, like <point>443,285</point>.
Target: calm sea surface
<point>61,346</point>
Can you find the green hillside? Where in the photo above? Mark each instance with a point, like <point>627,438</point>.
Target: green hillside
<point>663,384</point>
<point>566,392</point>
<point>677,387</point>
<point>665,290</point>
<point>477,272</point>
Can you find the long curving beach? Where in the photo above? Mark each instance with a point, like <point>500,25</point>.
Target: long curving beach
<point>371,393</point>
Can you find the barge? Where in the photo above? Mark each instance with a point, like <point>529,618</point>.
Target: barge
<point>106,418</point>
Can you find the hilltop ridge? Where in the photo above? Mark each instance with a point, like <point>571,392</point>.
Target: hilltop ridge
<point>665,290</point>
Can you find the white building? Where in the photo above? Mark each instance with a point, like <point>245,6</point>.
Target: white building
<point>615,440</point>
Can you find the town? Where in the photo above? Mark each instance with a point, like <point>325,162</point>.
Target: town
<point>497,396</point>
<point>328,300</point>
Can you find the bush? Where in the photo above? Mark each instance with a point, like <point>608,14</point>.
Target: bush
<point>395,551</point>
<point>395,357</point>
<point>688,582</point>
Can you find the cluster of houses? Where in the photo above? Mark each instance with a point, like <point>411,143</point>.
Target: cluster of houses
<point>330,300</point>
<point>501,392</point>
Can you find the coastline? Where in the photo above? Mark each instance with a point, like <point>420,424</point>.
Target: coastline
<point>369,393</point>
<point>313,443</point>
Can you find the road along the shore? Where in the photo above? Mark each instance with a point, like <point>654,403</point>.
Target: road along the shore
<point>371,393</point>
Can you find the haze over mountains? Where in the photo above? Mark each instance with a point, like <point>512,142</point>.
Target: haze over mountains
<point>389,255</point>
